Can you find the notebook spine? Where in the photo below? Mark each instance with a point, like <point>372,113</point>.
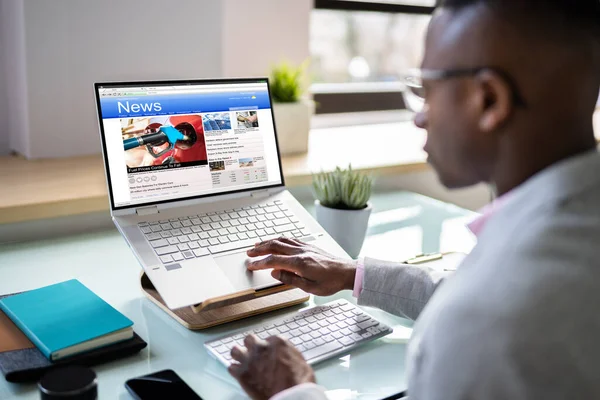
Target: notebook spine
<point>34,339</point>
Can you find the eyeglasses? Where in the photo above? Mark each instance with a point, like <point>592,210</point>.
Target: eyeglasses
<point>415,96</point>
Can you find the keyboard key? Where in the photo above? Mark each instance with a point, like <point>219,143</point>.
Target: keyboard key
<point>188,254</point>
<point>165,227</point>
<point>203,235</point>
<point>159,243</point>
<point>196,229</point>
<point>225,224</point>
<point>214,241</point>
<point>252,234</point>
<point>166,250</point>
<point>204,243</point>
<point>284,228</point>
<point>223,239</point>
<point>156,228</point>
<point>232,230</point>
<point>165,234</point>
<point>186,223</point>
<point>196,221</point>
<point>309,345</point>
<point>193,245</point>
<point>215,225</point>
<point>166,259</point>
<point>176,225</point>
<point>346,341</point>
<point>173,240</point>
<point>240,244</point>
<point>322,350</point>
<point>176,257</point>
<point>176,232</point>
<point>183,239</point>
<point>223,232</point>
<point>153,236</point>
<point>234,222</point>
<point>201,252</point>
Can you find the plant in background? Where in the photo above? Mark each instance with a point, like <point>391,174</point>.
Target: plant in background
<point>287,82</point>
<point>343,189</point>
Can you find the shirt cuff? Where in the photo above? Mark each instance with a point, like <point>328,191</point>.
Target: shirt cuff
<point>358,278</point>
<point>303,391</point>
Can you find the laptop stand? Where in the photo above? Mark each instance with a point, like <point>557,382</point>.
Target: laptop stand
<point>197,318</point>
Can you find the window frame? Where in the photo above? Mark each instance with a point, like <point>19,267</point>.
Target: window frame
<point>342,98</point>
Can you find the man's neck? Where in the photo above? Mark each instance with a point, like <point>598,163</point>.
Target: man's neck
<point>524,165</point>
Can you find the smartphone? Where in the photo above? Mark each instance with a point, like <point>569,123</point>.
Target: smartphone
<point>159,386</point>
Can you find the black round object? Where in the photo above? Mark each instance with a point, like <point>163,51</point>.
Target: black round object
<point>70,382</point>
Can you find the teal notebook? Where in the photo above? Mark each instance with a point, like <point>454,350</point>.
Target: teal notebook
<point>66,319</point>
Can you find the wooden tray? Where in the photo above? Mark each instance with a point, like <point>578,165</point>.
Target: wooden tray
<point>227,313</point>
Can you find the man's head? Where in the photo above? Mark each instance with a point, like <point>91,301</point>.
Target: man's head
<point>527,95</point>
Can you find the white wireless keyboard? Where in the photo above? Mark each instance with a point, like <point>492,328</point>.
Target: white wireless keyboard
<point>319,333</point>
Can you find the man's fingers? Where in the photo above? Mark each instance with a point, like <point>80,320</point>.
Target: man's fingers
<point>277,246</point>
<point>239,354</point>
<point>290,278</point>
<point>291,263</point>
<point>235,370</point>
<point>250,342</point>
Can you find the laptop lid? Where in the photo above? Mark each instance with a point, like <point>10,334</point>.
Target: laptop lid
<point>168,141</point>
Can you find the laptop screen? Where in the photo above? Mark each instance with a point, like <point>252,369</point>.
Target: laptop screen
<point>167,141</point>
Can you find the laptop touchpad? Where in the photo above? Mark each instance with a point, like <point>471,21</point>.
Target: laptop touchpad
<point>234,267</point>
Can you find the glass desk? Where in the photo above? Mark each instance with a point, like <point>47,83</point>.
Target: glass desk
<point>402,225</point>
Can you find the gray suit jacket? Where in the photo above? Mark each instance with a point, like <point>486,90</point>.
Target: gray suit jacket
<point>520,318</point>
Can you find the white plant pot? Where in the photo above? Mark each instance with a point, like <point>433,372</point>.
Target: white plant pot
<point>292,121</point>
<point>347,227</point>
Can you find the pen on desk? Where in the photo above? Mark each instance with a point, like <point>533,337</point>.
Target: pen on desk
<point>425,258</point>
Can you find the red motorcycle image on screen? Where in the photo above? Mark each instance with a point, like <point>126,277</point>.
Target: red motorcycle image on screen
<point>157,141</point>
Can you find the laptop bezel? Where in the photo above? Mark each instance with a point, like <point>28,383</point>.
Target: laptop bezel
<point>180,82</point>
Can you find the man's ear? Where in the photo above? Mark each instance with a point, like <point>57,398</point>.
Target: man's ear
<point>496,100</point>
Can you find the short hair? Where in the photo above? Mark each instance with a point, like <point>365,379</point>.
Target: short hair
<point>566,17</point>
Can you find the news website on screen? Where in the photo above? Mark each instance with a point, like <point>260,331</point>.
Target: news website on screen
<point>170,142</point>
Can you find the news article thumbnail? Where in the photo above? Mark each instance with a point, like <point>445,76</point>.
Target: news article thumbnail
<point>217,166</point>
<point>151,143</point>
<point>246,119</point>
<point>246,162</point>
<point>217,122</point>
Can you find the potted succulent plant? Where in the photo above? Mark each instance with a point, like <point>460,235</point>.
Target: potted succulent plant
<point>342,206</point>
<point>292,109</point>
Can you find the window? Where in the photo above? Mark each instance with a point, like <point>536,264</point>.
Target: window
<point>359,48</point>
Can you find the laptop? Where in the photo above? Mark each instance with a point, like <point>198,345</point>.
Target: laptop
<point>194,178</point>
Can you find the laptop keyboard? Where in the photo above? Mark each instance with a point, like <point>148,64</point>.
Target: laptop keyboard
<point>199,235</point>
<point>319,333</point>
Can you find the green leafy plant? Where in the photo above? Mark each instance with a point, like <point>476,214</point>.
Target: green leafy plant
<point>287,82</point>
<point>343,189</point>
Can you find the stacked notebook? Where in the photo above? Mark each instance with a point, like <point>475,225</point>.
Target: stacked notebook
<point>60,324</point>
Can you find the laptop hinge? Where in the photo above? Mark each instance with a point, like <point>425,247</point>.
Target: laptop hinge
<point>260,194</point>
<point>147,210</point>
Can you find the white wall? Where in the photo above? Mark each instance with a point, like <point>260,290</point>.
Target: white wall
<point>12,31</point>
<point>259,33</point>
<point>70,44</point>
<point>4,147</point>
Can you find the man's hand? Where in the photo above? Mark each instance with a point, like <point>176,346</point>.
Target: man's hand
<point>304,266</point>
<point>268,367</point>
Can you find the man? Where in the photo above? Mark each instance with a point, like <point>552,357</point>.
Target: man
<point>510,89</point>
